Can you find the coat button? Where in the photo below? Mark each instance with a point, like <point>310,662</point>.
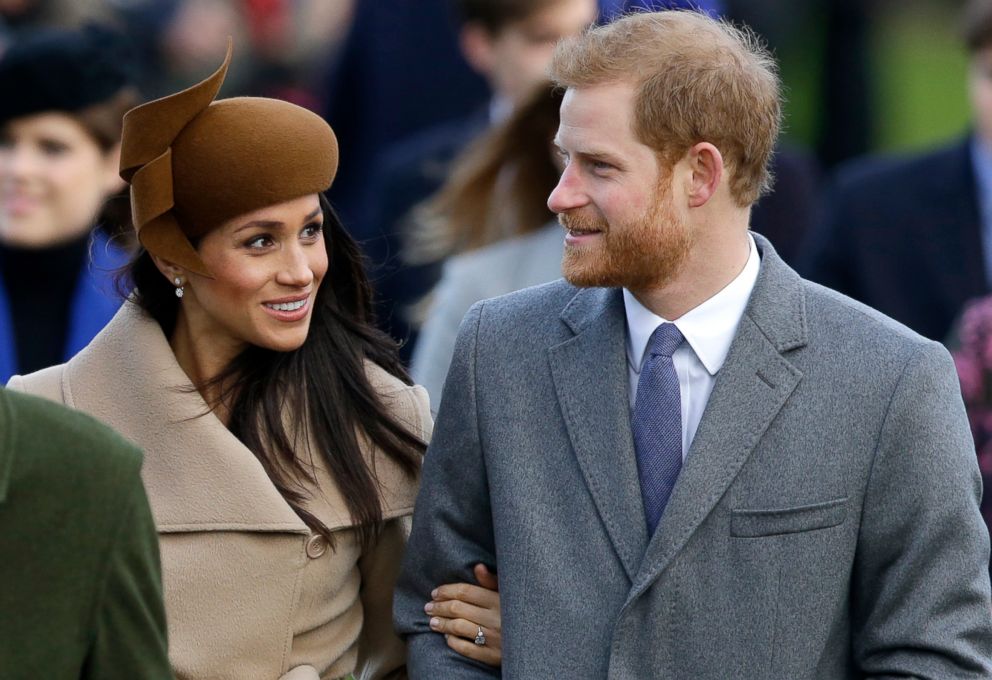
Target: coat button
<point>316,546</point>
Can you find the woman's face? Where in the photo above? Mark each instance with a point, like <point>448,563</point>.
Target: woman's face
<point>54,178</point>
<point>268,265</point>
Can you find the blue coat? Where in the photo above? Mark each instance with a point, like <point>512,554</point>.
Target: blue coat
<point>94,302</point>
<point>903,235</point>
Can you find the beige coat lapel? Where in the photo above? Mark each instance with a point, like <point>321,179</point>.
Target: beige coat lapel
<point>198,475</point>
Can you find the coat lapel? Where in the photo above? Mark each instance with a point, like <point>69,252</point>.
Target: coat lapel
<point>590,376</point>
<point>750,390</point>
<point>198,475</point>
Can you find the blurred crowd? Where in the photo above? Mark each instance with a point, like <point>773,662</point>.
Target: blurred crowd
<point>445,125</point>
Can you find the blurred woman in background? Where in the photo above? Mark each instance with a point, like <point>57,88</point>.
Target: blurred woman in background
<point>63,95</point>
<point>491,225</point>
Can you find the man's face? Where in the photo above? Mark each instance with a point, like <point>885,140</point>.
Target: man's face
<point>615,200</point>
<point>980,92</point>
<point>520,53</point>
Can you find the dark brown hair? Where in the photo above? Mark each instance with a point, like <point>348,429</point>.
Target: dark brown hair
<point>104,122</point>
<point>321,389</point>
<point>696,80</point>
<point>494,15</point>
<point>497,188</point>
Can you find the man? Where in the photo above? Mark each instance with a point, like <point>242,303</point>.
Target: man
<point>912,236</point>
<point>509,42</point>
<point>686,461</point>
<point>80,581</point>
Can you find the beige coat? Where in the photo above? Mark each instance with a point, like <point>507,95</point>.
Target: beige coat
<point>250,592</point>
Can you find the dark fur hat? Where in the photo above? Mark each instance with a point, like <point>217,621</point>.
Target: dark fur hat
<point>63,70</point>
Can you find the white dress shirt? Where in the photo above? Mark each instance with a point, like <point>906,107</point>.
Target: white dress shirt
<point>708,329</point>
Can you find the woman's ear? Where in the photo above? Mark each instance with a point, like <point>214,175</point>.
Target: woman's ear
<point>172,272</point>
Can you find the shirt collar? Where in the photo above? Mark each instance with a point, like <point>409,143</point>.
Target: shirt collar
<point>709,328</point>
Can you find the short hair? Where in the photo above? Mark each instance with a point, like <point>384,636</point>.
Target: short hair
<point>976,25</point>
<point>696,79</point>
<point>494,15</point>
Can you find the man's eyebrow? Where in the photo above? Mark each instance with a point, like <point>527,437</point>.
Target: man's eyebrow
<point>273,224</point>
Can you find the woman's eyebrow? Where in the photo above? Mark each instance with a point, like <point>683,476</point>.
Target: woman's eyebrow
<point>273,224</point>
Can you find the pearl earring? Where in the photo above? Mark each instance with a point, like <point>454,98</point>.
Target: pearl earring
<point>179,287</point>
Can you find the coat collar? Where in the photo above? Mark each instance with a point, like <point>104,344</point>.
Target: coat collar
<point>590,375</point>
<point>198,475</point>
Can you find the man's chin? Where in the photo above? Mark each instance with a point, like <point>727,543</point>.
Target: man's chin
<point>583,276</point>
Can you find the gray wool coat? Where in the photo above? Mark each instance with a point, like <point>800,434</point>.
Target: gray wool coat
<point>825,524</point>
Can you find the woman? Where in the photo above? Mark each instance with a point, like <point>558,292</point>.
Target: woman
<point>491,226</point>
<point>62,97</point>
<point>282,437</point>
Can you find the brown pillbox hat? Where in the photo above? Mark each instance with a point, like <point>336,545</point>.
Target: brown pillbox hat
<point>193,163</point>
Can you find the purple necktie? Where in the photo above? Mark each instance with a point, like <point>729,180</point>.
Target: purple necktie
<point>657,423</point>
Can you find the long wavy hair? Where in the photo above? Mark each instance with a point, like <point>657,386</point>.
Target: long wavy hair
<point>319,391</point>
<point>498,187</point>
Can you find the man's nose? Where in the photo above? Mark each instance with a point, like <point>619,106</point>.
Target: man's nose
<point>568,194</point>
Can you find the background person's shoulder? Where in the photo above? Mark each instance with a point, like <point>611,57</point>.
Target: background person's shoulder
<point>72,444</point>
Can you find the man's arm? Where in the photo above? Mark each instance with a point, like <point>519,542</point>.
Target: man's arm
<point>130,637</point>
<point>452,521</point>
<point>920,587</point>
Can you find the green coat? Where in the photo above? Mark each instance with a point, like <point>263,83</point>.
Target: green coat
<point>80,581</point>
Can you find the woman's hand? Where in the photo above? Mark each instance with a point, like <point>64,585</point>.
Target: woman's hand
<point>459,610</point>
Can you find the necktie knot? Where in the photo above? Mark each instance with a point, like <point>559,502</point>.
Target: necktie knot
<point>665,340</point>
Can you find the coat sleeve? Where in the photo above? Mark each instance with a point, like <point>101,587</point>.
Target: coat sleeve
<point>130,631</point>
<point>920,588</point>
<point>452,521</point>
<point>452,297</point>
<point>381,653</point>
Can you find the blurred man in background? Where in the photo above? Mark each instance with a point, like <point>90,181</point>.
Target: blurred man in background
<point>912,236</point>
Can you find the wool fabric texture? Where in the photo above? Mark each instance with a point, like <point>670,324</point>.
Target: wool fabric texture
<point>194,163</point>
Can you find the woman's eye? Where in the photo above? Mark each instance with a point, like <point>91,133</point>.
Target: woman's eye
<point>312,231</point>
<point>259,242</point>
<point>52,147</point>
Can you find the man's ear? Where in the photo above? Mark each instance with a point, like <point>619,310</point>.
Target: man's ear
<point>477,46</point>
<point>706,164</point>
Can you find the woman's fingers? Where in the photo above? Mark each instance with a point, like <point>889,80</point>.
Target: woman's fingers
<point>465,629</point>
<point>459,609</point>
<point>486,578</point>
<point>466,592</point>
<point>456,630</point>
<point>456,609</point>
<point>487,654</point>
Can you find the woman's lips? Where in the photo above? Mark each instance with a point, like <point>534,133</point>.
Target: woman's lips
<point>290,309</point>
